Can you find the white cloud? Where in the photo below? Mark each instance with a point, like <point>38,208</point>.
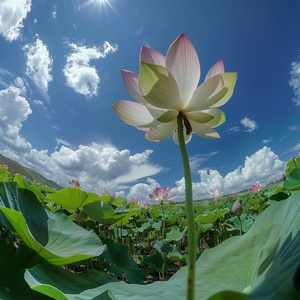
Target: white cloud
<point>263,166</point>
<point>12,14</point>
<point>295,82</point>
<point>42,109</point>
<point>14,110</point>
<point>80,75</point>
<point>197,160</point>
<point>233,129</point>
<point>142,190</point>
<point>249,124</point>
<point>294,149</point>
<point>97,166</point>
<point>39,65</point>
<point>294,127</point>
<point>266,141</point>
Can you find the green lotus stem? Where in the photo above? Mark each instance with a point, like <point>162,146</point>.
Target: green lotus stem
<point>189,207</point>
<point>163,220</point>
<point>241,225</point>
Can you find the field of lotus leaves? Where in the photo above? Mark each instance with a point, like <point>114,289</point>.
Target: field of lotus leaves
<point>72,244</point>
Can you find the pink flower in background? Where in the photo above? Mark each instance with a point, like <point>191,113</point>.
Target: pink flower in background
<point>134,200</point>
<point>106,192</point>
<point>142,203</point>
<point>5,166</point>
<point>255,187</point>
<point>162,195</point>
<point>75,183</point>
<point>216,193</point>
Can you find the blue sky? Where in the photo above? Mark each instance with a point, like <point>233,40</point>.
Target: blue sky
<point>60,73</point>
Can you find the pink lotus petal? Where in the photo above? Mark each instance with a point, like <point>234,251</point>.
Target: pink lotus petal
<point>130,81</point>
<point>183,63</point>
<point>217,68</point>
<point>152,56</point>
<point>134,114</point>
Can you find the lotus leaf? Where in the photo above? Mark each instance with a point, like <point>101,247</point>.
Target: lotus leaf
<point>263,263</point>
<point>71,198</point>
<point>53,236</point>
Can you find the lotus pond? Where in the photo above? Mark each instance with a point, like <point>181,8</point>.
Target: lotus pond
<point>72,244</point>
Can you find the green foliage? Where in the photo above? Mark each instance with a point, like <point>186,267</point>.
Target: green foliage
<point>122,264</point>
<point>71,198</point>
<point>104,213</point>
<point>292,182</point>
<point>62,284</point>
<point>292,164</point>
<point>54,236</point>
<point>261,264</point>
<point>13,265</point>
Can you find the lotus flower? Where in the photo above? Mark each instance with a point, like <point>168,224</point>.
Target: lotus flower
<point>216,193</point>
<point>143,203</point>
<point>168,86</point>
<point>162,195</point>
<point>255,187</point>
<point>75,183</point>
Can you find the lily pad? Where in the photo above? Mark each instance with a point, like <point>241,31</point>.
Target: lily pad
<point>212,216</point>
<point>71,198</point>
<point>104,213</point>
<point>263,263</point>
<point>54,236</point>
<point>292,182</point>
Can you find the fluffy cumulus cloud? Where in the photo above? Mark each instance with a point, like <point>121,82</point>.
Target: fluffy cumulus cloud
<point>97,166</point>
<point>263,166</point>
<point>12,14</point>
<point>295,82</point>
<point>249,124</point>
<point>80,75</point>
<point>142,190</point>
<point>39,65</point>
<point>14,110</point>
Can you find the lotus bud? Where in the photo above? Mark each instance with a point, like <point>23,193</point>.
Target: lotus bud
<point>237,208</point>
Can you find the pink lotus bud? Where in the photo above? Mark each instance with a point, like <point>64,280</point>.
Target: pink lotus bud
<point>237,208</point>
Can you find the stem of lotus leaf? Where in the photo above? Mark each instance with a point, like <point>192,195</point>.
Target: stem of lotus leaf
<point>189,207</point>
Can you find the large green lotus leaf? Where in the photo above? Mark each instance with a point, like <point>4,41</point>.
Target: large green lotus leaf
<point>212,216</point>
<point>71,198</point>
<point>67,242</point>
<point>25,201</point>
<point>62,284</point>
<point>13,265</point>
<point>264,261</point>
<point>104,213</point>
<point>292,182</point>
<point>54,236</point>
<point>24,185</point>
<point>121,263</point>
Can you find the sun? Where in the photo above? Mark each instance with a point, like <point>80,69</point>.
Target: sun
<point>102,4</point>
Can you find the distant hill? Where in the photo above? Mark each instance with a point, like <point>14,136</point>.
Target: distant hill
<point>29,173</point>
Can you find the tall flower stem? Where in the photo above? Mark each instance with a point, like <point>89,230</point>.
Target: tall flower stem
<point>189,207</point>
